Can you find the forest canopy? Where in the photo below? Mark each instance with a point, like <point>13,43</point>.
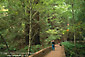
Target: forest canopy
<point>26,23</point>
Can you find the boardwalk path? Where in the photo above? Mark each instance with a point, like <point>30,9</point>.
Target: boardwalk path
<point>59,52</point>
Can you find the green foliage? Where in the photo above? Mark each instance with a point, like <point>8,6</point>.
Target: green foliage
<point>2,55</point>
<point>74,50</point>
<point>2,47</point>
<point>52,31</point>
<point>35,48</point>
<point>12,49</point>
<point>53,19</point>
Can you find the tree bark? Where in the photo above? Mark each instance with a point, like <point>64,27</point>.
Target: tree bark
<point>30,29</point>
<point>73,20</point>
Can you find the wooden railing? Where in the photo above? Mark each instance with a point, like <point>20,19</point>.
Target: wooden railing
<point>42,52</point>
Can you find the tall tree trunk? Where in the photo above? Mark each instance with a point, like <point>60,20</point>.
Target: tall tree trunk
<point>73,20</point>
<point>30,29</point>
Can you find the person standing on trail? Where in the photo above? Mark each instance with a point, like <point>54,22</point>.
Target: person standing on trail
<point>53,45</point>
<point>59,42</point>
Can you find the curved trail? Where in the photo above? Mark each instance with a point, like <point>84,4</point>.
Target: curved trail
<point>58,52</point>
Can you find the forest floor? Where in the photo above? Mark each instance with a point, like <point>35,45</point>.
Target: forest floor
<point>58,52</point>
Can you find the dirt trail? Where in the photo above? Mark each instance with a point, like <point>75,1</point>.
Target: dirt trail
<point>58,52</point>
